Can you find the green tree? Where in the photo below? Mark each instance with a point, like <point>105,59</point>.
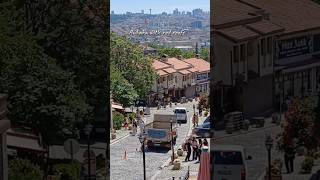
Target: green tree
<point>188,54</point>
<point>122,90</point>
<point>21,169</point>
<point>171,52</point>
<point>70,171</point>
<point>129,59</point>
<point>205,54</point>
<point>41,95</point>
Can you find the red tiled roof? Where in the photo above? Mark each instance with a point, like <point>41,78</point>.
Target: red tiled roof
<point>178,64</point>
<point>161,72</point>
<point>193,70</point>
<point>184,72</point>
<point>200,65</point>
<point>293,15</point>
<point>159,65</point>
<point>169,70</point>
<point>265,27</point>
<point>238,33</point>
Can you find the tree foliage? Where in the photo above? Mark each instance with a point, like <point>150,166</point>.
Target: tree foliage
<point>298,126</point>
<point>128,59</point>
<point>41,95</point>
<point>205,54</point>
<point>21,169</point>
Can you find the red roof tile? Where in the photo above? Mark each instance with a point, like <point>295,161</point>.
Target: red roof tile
<point>159,65</point>
<point>169,70</point>
<point>199,64</point>
<point>184,72</point>
<point>238,33</point>
<point>161,73</point>
<point>178,64</point>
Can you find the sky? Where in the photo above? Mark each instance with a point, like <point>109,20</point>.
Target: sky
<point>157,6</point>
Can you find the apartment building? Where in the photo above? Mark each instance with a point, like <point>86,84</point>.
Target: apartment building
<point>266,51</point>
<point>179,77</point>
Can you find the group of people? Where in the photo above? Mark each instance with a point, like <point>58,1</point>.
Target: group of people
<point>192,145</point>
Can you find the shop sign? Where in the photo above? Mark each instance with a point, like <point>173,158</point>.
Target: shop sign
<point>293,47</point>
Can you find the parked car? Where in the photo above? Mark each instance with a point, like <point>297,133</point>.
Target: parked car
<point>181,114</point>
<point>203,130</point>
<point>230,162</point>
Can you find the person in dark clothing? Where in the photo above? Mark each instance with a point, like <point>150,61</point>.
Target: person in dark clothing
<point>195,146</point>
<point>205,142</point>
<point>289,155</point>
<point>188,147</point>
<point>199,149</point>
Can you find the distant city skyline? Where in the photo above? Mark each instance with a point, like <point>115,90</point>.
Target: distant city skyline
<point>157,6</point>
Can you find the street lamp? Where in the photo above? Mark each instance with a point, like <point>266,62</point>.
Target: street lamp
<point>87,131</point>
<point>142,141</point>
<point>269,144</point>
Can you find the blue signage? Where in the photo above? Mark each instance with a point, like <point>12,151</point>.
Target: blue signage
<point>157,134</point>
<point>293,47</point>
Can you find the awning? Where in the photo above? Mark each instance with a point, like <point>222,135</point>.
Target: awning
<point>22,141</point>
<point>115,106</point>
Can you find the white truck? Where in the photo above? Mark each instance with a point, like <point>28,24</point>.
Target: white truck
<point>159,131</point>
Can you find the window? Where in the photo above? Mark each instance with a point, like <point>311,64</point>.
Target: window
<point>316,42</point>
<point>263,46</point>
<point>235,54</point>
<point>176,79</point>
<point>269,45</point>
<point>242,52</point>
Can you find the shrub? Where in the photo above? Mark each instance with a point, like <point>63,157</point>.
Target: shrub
<point>69,171</point>
<point>23,169</point>
<point>306,165</point>
<point>118,119</point>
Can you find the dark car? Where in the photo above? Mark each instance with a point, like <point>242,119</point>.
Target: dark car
<point>202,130</point>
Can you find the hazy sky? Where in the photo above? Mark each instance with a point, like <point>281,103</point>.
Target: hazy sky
<point>157,6</point>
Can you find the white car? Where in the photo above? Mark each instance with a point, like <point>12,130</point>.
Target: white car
<point>181,114</point>
<point>229,162</point>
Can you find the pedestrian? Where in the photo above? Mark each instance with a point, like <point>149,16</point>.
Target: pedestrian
<point>197,120</point>
<point>289,155</point>
<point>141,126</point>
<point>188,147</point>
<point>134,127</point>
<point>199,149</point>
<point>205,142</point>
<point>195,147</point>
<point>126,123</point>
<point>194,120</point>
<point>200,110</point>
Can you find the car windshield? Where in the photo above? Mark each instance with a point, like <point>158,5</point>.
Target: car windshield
<point>180,111</point>
<point>227,158</point>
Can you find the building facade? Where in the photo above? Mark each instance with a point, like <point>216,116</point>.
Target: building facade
<point>179,77</point>
<point>262,53</point>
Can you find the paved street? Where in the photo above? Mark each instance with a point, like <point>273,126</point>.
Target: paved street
<point>253,141</point>
<point>132,168</point>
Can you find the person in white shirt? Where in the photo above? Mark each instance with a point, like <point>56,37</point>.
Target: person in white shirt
<point>195,147</point>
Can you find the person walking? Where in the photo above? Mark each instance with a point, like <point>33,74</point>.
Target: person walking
<point>194,120</point>
<point>188,147</point>
<point>195,146</point>
<point>199,149</point>
<point>289,155</point>
<point>205,142</point>
<point>134,127</point>
<point>197,120</point>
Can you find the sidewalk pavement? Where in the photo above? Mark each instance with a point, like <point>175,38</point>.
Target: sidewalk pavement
<point>168,173</point>
<point>296,175</point>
